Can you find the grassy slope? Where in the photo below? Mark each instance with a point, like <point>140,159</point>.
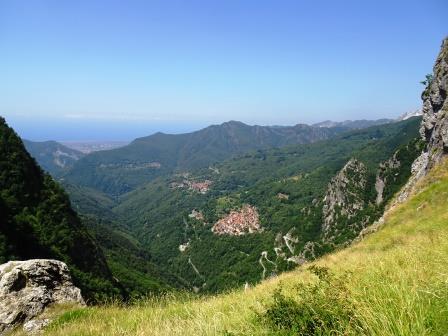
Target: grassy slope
<point>398,283</point>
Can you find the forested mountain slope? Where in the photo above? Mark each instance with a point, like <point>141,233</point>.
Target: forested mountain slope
<point>393,282</point>
<point>37,220</point>
<point>163,234</point>
<point>254,216</point>
<point>52,156</point>
<point>121,170</point>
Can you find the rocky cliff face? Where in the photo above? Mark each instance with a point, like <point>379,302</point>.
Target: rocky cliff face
<point>434,128</point>
<point>344,196</point>
<point>393,164</point>
<point>28,287</point>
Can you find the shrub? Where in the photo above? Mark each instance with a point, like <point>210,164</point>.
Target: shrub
<point>320,308</point>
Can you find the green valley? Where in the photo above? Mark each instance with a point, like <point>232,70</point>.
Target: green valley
<point>229,168</point>
<point>393,282</point>
<point>171,218</point>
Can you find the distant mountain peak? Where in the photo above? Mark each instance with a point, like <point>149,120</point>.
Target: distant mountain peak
<point>54,157</point>
<point>410,114</point>
<point>353,124</point>
<point>233,123</point>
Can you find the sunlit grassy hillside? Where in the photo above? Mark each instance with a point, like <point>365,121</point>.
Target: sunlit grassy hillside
<point>395,282</point>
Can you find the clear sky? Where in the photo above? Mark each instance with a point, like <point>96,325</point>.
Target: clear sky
<point>79,70</point>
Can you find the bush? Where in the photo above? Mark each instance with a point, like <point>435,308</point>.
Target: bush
<point>320,308</point>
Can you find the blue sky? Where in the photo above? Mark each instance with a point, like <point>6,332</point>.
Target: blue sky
<point>80,70</point>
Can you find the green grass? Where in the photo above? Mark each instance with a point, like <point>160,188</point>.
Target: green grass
<point>395,283</point>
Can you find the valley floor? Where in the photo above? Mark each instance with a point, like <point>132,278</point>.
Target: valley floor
<point>397,281</point>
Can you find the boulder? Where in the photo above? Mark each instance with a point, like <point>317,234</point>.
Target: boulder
<point>28,287</point>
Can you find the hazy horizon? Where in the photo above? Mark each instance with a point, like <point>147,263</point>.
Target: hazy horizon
<point>106,131</point>
<point>110,70</point>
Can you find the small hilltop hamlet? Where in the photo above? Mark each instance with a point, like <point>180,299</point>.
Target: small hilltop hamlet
<point>239,222</point>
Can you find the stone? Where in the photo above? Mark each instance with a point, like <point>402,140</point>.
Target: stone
<point>28,287</point>
<point>34,327</point>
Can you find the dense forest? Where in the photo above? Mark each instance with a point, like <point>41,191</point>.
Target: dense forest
<point>37,221</point>
<point>116,172</point>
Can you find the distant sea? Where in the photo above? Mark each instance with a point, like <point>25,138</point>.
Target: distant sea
<point>77,130</point>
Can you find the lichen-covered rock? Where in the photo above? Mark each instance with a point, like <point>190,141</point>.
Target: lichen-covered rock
<point>344,196</point>
<point>28,287</point>
<point>434,127</point>
<point>35,326</point>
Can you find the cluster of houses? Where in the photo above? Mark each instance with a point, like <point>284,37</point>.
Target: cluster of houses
<point>236,223</point>
<point>200,187</point>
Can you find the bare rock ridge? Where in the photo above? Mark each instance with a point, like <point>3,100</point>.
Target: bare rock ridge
<point>344,196</point>
<point>433,130</point>
<point>28,287</point>
<point>382,176</point>
<point>434,127</point>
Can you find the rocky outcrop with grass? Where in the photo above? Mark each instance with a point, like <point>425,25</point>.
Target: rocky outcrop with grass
<point>434,128</point>
<point>28,287</point>
<point>382,176</point>
<point>344,196</point>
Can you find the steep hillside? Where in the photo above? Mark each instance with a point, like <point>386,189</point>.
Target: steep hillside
<point>52,156</point>
<point>37,220</point>
<point>121,170</point>
<point>393,282</point>
<point>131,264</point>
<point>251,217</point>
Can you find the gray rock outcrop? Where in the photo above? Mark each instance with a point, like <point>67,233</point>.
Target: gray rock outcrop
<point>434,127</point>
<point>381,176</point>
<point>28,287</point>
<point>344,196</point>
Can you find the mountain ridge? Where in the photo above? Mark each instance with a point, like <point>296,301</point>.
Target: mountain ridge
<point>53,156</point>
<point>123,169</point>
